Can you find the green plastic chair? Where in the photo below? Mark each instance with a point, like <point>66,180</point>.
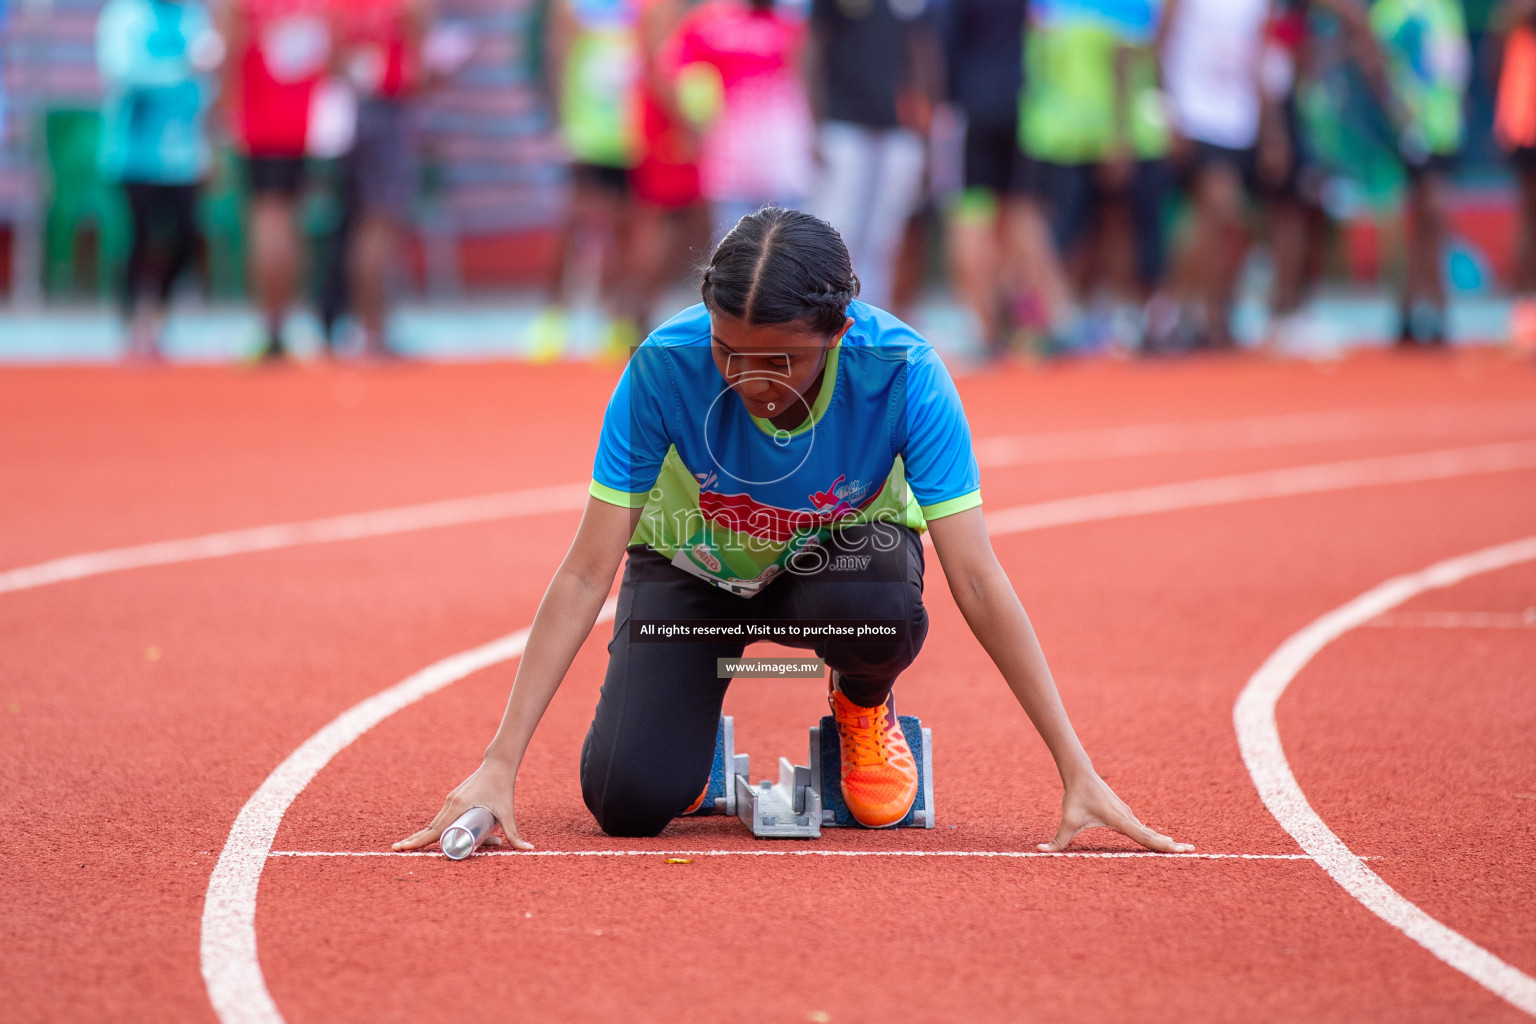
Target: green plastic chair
<point>80,202</point>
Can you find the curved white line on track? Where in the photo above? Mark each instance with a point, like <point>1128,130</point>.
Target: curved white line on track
<point>356,526</point>
<point>1258,736</point>
<point>231,968</point>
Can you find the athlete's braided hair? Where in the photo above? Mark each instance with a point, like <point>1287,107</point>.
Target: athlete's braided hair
<point>779,266</point>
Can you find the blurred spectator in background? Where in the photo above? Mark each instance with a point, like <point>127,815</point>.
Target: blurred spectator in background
<point>379,54</point>
<point>666,181</point>
<point>1211,65</point>
<point>1424,43</point>
<point>5,15</point>
<point>1514,25</point>
<point>1286,173</point>
<point>155,59</point>
<point>596,67</point>
<point>1092,125</point>
<point>984,61</point>
<point>279,52</point>
<point>877,68</point>
<point>740,80</point>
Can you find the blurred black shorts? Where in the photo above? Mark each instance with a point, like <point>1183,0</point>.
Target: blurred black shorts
<point>993,159</point>
<point>1437,165</point>
<point>613,180</point>
<point>1203,155</point>
<point>1524,158</point>
<point>275,175</point>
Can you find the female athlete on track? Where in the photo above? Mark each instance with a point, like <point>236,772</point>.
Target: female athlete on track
<point>769,457</point>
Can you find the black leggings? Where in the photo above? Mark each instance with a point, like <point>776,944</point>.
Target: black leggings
<point>172,210</point>
<point>652,740</point>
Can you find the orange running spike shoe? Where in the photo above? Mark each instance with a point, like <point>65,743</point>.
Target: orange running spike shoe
<point>879,772</point>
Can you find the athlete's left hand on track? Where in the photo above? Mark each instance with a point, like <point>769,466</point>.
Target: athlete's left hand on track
<point>1092,804</point>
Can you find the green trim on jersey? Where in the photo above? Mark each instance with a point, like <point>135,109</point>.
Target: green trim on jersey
<point>952,506</point>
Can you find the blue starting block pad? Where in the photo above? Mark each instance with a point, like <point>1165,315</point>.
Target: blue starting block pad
<point>826,765</point>
<point>805,798</point>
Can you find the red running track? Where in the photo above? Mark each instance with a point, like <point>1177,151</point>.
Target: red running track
<point>140,710</point>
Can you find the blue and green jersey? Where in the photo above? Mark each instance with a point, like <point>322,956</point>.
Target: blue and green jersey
<point>733,499</point>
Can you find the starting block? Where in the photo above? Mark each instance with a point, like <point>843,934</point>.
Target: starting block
<point>806,798</point>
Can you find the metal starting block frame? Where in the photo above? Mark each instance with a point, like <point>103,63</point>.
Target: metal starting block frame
<point>806,798</point>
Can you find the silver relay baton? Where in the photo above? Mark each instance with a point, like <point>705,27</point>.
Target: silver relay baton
<point>465,835</point>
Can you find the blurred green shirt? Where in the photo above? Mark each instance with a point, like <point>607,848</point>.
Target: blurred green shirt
<point>1428,62</point>
<point>1068,112</point>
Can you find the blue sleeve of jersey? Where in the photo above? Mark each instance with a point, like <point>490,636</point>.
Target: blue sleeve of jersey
<point>634,438</point>
<point>940,465</point>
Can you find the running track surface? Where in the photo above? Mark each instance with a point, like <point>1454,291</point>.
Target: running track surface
<point>140,710</point>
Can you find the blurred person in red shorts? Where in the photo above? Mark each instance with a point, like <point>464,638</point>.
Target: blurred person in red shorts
<point>666,180</point>
<point>279,52</point>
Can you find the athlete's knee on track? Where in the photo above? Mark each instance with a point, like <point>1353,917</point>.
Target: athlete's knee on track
<point>634,808</point>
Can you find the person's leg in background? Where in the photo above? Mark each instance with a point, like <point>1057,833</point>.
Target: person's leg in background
<point>1145,196</point>
<point>845,191</point>
<point>386,185</point>
<point>1040,294</point>
<point>898,159</point>
<point>1218,201</point>
<point>334,300</point>
<point>169,211</point>
<point>975,249</point>
<point>1523,312</point>
<point>1057,212</point>
<point>1423,302</point>
<point>588,235</point>
<point>274,243</point>
<point>143,337</point>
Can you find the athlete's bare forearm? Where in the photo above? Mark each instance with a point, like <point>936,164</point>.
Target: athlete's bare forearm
<point>995,615</point>
<point>564,619</point>
<point>986,598</point>
<point>569,608</point>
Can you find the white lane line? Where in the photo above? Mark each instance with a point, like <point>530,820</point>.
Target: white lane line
<point>230,965</point>
<point>1276,483</point>
<point>1256,432</point>
<point>1258,736</point>
<point>1005,854</point>
<point>231,970</point>
<point>456,512</point>
<point>1062,446</point>
<point>1455,620</point>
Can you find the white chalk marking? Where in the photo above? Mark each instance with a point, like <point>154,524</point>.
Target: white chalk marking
<point>1455,620</point>
<point>1276,483</point>
<point>1256,432</point>
<point>433,515</point>
<point>1005,854</point>
<point>1258,736</point>
<point>231,968</point>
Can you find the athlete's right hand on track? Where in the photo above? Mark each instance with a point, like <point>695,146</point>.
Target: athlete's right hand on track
<point>489,787</point>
